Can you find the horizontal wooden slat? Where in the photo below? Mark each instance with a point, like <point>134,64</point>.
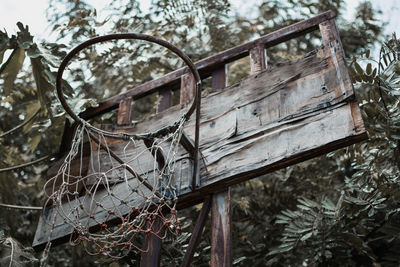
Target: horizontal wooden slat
<point>281,116</point>
<point>207,65</point>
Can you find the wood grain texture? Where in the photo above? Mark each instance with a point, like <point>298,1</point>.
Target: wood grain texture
<point>329,31</point>
<point>125,111</point>
<point>257,59</point>
<point>280,116</point>
<point>165,100</point>
<point>221,232</point>
<point>187,88</point>
<point>221,236</point>
<point>207,65</point>
<point>218,81</point>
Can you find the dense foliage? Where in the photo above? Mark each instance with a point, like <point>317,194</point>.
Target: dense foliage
<point>339,209</point>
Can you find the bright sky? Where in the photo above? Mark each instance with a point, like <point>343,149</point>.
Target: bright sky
<point>33,13</point>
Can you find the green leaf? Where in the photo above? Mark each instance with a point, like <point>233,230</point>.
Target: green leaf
<point>369,68</point>
<point>238,260</point>
<point>374,72</point>
<point>34,141</point>
<point>394,136</point>
<point>24,38</point>
<point>306,236</point>
<point>3,47</point>
<point>358,68</point>
<point>367,53</point>
<point>371,212</point>
<point>42,84</point>
<point>385,60</point>
<point>30,110</point>
<point>394,92</point>
<point>356,201</point>
<point>12,68</point>
<point>308,202</point>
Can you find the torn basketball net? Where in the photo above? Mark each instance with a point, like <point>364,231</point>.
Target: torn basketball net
<point>115,188</point>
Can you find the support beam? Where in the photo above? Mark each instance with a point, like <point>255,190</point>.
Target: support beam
<point>257,59</point>
<point>187,88</point>
<point>165,100</point>
<point>125,111</point>
<point>218,80</point>
<point>198,230</point>
<point>221,236</point>
<point>221,240</point>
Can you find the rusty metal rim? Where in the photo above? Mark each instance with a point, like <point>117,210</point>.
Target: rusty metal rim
<point>138,36</point>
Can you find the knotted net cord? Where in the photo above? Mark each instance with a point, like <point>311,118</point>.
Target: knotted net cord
<point>94,199</point>
<point>119,178</point>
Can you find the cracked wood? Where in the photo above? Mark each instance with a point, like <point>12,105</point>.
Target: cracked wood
<point>286,114</point>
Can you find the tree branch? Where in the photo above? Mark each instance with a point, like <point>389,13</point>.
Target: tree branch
<point>3,67</point>
<point>21,125</point>
<point>24,164</point>
<point>19,207</point>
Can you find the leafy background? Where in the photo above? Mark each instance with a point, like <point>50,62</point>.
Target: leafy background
<point>341,209</point>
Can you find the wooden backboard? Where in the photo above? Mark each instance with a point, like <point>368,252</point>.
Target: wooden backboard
<point>280,116</point>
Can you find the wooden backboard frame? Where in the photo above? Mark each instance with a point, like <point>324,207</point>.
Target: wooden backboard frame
<point>276,117</point>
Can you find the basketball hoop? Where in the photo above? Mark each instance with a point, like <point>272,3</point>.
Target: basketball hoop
<point>146,167</point>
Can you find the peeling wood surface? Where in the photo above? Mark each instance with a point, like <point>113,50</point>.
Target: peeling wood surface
<point>208,65</point>
<point>281,116</point>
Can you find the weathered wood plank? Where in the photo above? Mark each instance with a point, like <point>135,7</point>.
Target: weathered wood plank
<point>125,111</point>
<point>218,78</point>
<point>314,113</point>
<point>187,88</point>
<point>257,59</point>
<point>221,236</point>
<point>301,86</point>
<point>329,32</point>
<point>207,65</point>
<point>165,100</point>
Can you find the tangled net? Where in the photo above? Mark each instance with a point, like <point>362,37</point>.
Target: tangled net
<point>134,187</point>
<point>115,187</point>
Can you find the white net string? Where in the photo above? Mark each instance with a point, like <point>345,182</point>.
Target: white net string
<point>123,180</point>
